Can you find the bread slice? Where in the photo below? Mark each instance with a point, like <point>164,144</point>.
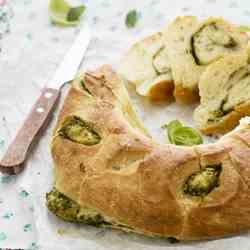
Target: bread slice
<point>192,45</point>
<point>109,173</point>
<point>225,94</point>
<point>158,90</point>
<point>146,66</point>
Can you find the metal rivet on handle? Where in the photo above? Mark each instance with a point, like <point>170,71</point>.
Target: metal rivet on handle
<point>40,110</point>
<point>48,95</point>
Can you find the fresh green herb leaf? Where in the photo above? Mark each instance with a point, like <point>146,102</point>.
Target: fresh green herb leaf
<point>171,127</point>
<point>187,136</point>
<point>244,28</point>
<point>131,18</point>
<point>75,13</point>
<point>180,135</point>
<point>62,14</point>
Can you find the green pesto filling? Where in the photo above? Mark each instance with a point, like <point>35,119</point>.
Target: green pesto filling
<point>203,182</point>
<point>217,38</point>
<point>68,210</point>
<point>83,85</point>
<point>217,115</point>
<point>80,131</point>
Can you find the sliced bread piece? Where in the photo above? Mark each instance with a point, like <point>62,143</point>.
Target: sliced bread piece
<point>225,94</point>
<point>158,89</point>
<point>146,65</point>
<point>192,45</point>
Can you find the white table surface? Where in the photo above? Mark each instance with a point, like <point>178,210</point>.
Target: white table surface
<point>31,48</point>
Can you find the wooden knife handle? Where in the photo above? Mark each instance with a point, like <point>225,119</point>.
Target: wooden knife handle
<point>14,158</point>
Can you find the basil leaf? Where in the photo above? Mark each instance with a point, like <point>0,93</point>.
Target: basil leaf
<point>244,28</point>
<point>75,13</point>
<point>171,127</point>
<point>62,14</point>
<point>186,136</point>
<point>131,18</point>
<point>180,135</point>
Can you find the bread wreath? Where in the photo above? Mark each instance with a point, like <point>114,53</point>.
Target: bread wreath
<point>142,186</point>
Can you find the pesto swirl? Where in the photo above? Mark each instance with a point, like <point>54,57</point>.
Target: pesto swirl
<point>203,182</point>
<point>79,131</point>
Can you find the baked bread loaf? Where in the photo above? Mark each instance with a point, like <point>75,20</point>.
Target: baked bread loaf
<point>225,94</point>
<point>146,65</point>
<point>192,45</point>
<point>108,172</point>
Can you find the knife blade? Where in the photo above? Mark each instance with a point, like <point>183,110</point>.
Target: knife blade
<point>16,154</point>
<point>69,66</point>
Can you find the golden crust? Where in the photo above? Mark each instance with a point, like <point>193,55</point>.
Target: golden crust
<point>225,125</point>
<point>131,180</point>
<point>185,95</point>
<point>162,92</point>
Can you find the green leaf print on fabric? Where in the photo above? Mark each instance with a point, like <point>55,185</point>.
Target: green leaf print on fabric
<point>3,236</point>
<point>33,246</point>
<point>1,143</point>
<point>29,36</point>
<point>27,228</point>
<point>5,179</point>
<point>23,194</point>
<point>8,215</point>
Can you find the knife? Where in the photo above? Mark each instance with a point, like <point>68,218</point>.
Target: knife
<point>14,158</point>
